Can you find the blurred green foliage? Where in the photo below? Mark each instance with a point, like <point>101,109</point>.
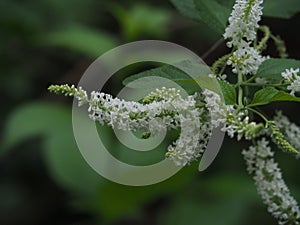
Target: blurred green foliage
<point>43,177</point>
<point>216,12</point>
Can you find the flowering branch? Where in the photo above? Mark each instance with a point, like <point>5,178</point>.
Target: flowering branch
<point>197,114</point>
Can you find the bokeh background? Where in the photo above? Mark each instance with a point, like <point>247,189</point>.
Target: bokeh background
<point>43,177</point>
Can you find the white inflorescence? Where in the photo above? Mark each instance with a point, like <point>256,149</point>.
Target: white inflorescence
<point>217,108</point>
<point>293,79</point>
<point>289,129</point>
<point>270,185</point>
<point>192,141</point>
<point>224,115</point>
<point>241,32</point>
<point>165,109</point>
<point>130,115</point>
<point>243,22</point>
<point>245,60</point>
<point>81,95</point>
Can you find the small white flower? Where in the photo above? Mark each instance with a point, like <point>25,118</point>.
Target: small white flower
<point>293,79</point>
<point>294,86</point>
<point>221,77</point>
<point>289,74</point>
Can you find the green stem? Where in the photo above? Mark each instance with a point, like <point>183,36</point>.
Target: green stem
<point>264,40</point>
<point>249,80</point>
<point>260,114</point>
<point>260,85</point>
<point>240,92</point>
<point>280,45</point>
<point>217,63</point>
<point>246,93</point>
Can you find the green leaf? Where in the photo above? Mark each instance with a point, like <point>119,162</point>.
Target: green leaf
<point>187,8</point>
<point>213,14</point>
<point>264,96</point>
<point>173,74</point>
<point>229,92</point>
<point>273,8</point>
<point>53,123</point>
<point>161,77</point>
<point>281,9</point>
<point>268,95</point>
<point>81,39</point>
<point>283,96</point>
<point>166,71</point>
<point>272,68</point>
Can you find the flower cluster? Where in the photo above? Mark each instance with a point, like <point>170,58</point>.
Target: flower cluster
<point>162,109</point>
<point>192,142</point>
<point>194,124</point>
<point>233,122</point>
<point>217,108</point>
<point>79,93</point>
<point>240,33</point>
<point>270,185</point>
<point>239,124</point>
<point>131,116</point>
<point>279,139</point>
<point>290,130</point>
<point>293,79</point>
<point>243,22</point>
<point>245,60</point>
